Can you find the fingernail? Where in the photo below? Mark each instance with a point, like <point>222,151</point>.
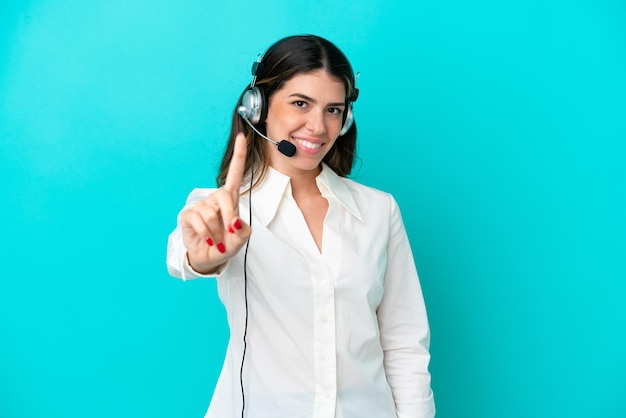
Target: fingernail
<point>221,247</point>
<point>237,224</point>
<point>230,229</point>
<point>209,241</point>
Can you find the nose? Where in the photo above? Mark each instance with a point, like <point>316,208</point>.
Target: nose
<point>315,123</point>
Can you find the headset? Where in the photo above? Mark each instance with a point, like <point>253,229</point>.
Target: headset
<point>253,110</point>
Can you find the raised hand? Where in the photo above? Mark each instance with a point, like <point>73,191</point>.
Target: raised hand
<point>212,230</point>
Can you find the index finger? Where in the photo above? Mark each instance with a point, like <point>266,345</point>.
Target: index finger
<point>236,168</point>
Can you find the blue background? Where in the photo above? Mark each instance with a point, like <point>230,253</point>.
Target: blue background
<point>499,127</point>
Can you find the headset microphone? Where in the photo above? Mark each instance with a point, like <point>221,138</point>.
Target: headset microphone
<point>285,147</point>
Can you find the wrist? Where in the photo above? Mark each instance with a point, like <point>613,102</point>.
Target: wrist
<point>202,270</point>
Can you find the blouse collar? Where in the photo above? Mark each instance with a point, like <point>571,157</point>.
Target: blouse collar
<point>276,185</point>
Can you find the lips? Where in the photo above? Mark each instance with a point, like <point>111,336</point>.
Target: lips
<point>313,146</point>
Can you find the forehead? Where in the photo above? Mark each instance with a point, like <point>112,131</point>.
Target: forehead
<point>317,84</point>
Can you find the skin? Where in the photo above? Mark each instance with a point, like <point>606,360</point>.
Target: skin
<point>307,111</point>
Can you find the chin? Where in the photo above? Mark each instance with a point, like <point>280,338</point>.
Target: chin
<point>307,164</point>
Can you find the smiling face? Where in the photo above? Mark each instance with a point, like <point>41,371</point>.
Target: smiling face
<point>308,112</point>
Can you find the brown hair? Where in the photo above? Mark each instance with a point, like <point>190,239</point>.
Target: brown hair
<point>283,60</point>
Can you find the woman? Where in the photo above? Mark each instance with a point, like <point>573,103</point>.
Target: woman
<point>324,304</point>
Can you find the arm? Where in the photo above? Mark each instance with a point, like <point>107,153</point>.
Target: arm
<point>404,330</point>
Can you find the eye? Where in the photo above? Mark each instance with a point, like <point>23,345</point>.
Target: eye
<point>300,103</point>
<point>337,111</point>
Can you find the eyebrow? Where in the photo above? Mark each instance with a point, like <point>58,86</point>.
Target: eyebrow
<point>310,99</point>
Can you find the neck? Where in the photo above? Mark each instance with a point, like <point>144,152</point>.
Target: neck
<point>303,182</point>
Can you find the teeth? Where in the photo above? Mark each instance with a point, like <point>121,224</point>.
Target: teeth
<point>308,144</point>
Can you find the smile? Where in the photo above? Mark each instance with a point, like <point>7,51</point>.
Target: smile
<point>308,144</point>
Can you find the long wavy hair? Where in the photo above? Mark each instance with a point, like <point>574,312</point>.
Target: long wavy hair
<point>283,60</point>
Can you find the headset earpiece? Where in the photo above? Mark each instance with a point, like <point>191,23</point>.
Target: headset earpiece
<point>253,105</point>
<point>347,123</point>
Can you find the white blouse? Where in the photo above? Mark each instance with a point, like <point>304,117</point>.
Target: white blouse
<point>341,333</point>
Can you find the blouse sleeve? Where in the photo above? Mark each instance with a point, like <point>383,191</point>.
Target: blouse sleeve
<point>404,330</point>
<point>177,262</point>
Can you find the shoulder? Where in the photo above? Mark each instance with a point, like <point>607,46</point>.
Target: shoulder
<point>368,194</point>
<point>378,209</point>
<point>373,204</point>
